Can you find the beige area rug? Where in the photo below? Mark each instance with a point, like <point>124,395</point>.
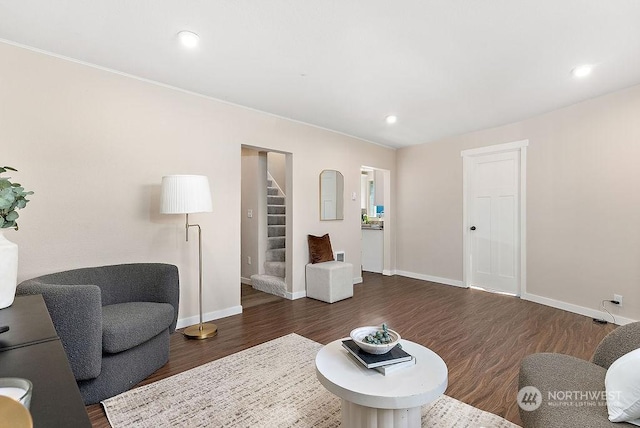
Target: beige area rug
<point>270,385</point>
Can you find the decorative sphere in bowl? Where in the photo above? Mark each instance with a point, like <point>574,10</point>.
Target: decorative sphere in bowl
<point>358,335</point>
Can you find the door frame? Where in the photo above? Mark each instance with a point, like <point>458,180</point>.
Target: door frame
<point>468,157</point>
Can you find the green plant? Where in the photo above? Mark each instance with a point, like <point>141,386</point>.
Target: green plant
<point>12,198</point>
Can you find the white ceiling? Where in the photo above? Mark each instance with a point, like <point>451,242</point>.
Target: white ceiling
<point>443,67</point>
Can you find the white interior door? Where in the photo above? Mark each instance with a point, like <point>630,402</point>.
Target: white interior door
<point>493,192</point>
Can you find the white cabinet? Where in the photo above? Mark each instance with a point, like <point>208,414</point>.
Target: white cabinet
<point>372,250</point>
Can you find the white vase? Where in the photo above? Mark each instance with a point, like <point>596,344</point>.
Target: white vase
<point>8,271</point>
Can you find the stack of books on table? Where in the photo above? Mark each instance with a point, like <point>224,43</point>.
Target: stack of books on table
<point>394,360</point>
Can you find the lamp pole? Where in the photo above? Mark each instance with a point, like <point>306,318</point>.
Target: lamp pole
<point>202,330</point>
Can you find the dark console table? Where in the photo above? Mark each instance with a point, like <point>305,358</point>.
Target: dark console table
<point>32,350</point>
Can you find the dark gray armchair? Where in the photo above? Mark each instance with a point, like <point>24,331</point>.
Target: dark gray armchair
<point>559,372</point>
<point>114,322</point>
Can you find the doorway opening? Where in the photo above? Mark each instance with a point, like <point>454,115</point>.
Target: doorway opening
<point>266,232</point>
<point>375,216</point>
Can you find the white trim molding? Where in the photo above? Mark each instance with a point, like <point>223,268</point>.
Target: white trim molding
<point>209,316</point>
<point>430,278</point>
<point>496,148</point>
<point>357,280</point>
<point>467,155</point>
<point>580,310</point>
<point>295,295</point>
<point>246,281</point>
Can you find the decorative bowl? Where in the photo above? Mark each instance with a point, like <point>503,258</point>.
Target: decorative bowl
<point>18,389</point>
<point>358,335</point>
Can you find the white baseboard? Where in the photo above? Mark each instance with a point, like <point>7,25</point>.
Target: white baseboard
<point>357,280</point>
<point>387,272</point>
<point>295,295</point>
<point>423,277</point>
<point>246,281</point>
<point>580,310</point>
<point>227,312</point>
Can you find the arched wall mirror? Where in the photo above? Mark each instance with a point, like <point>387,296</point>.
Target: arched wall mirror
<point>331,195</point>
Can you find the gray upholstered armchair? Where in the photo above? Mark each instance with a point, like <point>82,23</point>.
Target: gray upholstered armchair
<point>114,322</point>
<point>559,372</point>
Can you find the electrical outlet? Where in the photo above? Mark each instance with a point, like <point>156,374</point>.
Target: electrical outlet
<point>250,215</point>
<point>249,259</point>
<point>618,298</point>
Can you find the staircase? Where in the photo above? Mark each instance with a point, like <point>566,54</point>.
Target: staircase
<point>274,266</point>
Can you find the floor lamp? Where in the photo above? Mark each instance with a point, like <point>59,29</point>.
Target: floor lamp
<point>188,194</point>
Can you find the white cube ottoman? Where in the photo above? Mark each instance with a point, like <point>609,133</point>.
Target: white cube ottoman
<point>330,281</point>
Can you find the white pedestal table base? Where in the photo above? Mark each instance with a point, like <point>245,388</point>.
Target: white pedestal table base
<point>357,416</point>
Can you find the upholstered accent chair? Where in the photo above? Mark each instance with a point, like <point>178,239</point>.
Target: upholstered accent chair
<point>551,372</point>
<point>114,322</point>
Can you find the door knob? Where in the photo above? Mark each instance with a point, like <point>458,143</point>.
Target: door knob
<point>472,228</point>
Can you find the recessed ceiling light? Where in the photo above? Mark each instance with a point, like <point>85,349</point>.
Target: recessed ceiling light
<point>391,119</point>
<point>582,70</point>
<point>189,39</point>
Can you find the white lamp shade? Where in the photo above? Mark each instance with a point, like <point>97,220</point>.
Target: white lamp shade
<point>185,194</point>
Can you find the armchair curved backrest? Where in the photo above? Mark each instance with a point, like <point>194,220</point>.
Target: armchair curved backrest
<point>134,282</point>
<point>619,342</point>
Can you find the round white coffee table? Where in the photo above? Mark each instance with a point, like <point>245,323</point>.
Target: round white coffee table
<point>370,399</point>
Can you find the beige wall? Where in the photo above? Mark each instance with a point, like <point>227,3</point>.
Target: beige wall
<point>94,145</point>
<point>583,202</point>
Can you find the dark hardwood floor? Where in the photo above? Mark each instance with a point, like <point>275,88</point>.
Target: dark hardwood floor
<point>251,297</point>
<point>481,336</point>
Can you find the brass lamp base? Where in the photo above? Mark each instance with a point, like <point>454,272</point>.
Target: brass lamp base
<point>201,331</point>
